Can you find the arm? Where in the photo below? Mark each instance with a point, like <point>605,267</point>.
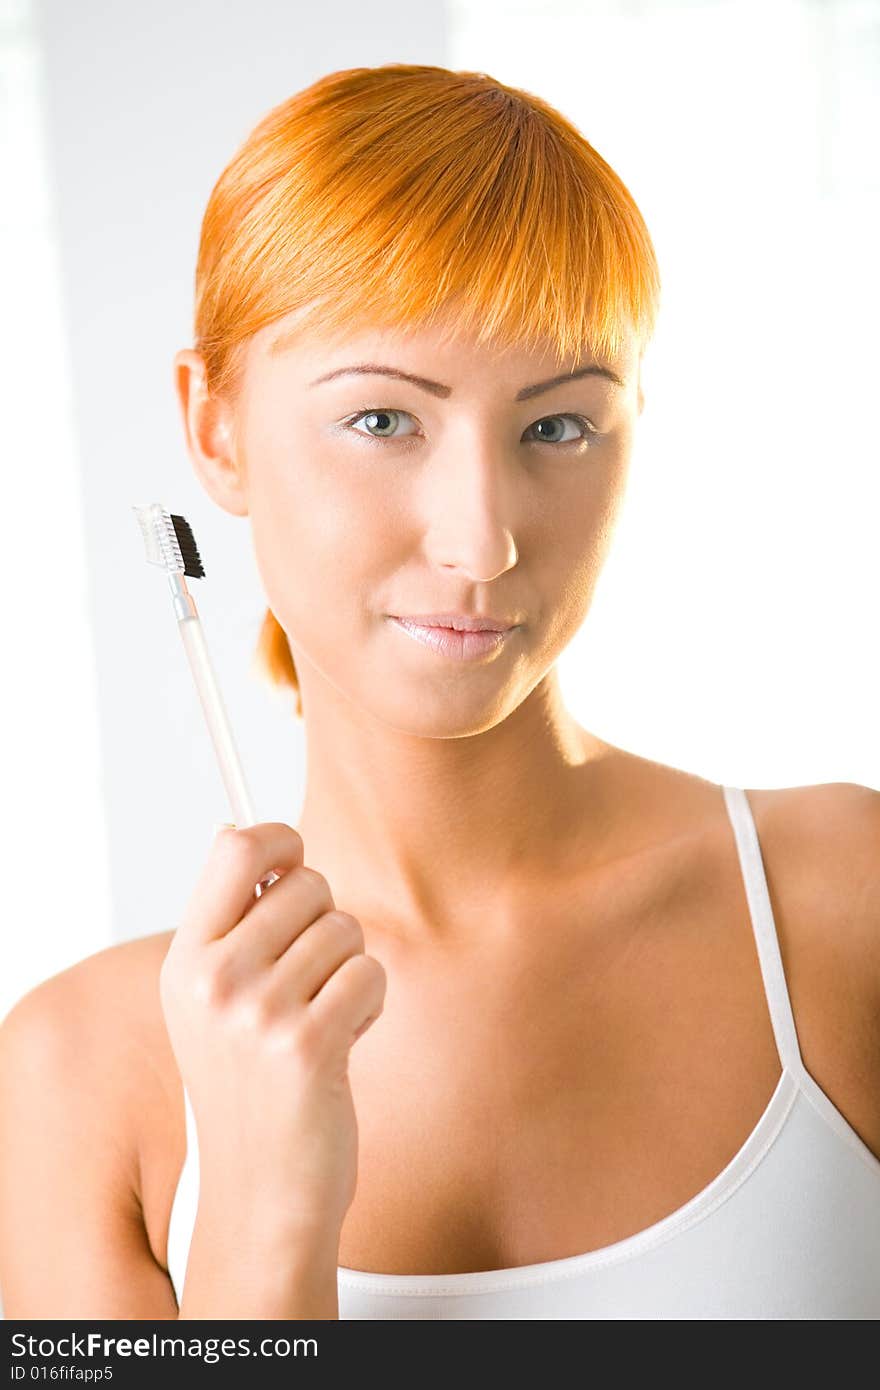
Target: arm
<point>72,1236</point>
<point>78,1061</point>
<point>240,1269</point>
<point>829,848</point>
<point>854,814</point>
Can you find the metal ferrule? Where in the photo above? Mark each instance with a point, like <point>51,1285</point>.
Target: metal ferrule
<point>184,606</point>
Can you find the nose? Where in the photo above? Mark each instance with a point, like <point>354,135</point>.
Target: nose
<point>470,511</point>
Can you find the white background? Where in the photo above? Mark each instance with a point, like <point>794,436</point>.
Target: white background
<point>734,630</point>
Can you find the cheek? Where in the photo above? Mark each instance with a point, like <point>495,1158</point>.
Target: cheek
<point>319,539</point>
<point>567,570</point>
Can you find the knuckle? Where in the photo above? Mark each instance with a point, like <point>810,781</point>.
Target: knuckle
<point>213,985</point>
<point>283,1039</point>
<point>317,884</point>
<point>295,837</point>
<point>315,879</point>
<point>254,1012</point>
<point>348,924</point>
<point>307,1041</point>
<point>369,973</point>
<point>239,847</point>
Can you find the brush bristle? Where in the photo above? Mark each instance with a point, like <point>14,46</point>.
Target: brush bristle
<point>192,562</point>
<point>168,540</point>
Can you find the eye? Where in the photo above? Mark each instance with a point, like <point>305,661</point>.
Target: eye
<point>586,429</point>
<point>379,421</point>
<point>381,424</point>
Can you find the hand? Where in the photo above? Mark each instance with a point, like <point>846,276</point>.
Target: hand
<point>263,999</point>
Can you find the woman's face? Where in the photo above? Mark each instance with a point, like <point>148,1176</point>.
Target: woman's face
<point>374,497</point>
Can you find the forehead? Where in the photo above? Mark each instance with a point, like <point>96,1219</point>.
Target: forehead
<point>299,341</point>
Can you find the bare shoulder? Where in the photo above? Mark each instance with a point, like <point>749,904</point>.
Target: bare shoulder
<point>101,1003</point>
<point>825,809</point>
<point>104,1009</point>
<point>820,846</point>
<point>821,850</point>
<point>84,1062</point>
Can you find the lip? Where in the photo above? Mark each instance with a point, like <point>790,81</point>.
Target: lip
<point>459,622</point>
<point>463,644</point>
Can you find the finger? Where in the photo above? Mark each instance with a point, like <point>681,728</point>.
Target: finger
<point>237,860</point>
<point>352,997</point>
<point>311,959</point>
<point>300,897</point>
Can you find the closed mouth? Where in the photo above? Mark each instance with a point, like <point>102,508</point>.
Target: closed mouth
<point>455,622</point>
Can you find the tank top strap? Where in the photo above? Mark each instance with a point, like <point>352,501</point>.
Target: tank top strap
<point>764,929</point>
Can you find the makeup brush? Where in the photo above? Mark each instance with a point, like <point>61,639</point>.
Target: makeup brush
<point>170,544</point>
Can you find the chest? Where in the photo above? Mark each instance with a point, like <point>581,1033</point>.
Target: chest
<point>545,1102</point>
<point>549,1109</point>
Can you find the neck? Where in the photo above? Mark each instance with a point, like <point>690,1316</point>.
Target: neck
<point>434,832</point>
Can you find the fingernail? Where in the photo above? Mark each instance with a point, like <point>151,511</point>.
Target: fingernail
<point>223,825</point>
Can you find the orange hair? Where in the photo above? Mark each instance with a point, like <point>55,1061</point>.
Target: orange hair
<point>405,194</point>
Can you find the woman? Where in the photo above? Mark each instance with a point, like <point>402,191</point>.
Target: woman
<point>513,1035</point>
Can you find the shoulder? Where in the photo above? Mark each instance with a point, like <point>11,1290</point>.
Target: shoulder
<point>95,1034</point>
<point>84,1002</point>
<point>821,845</point>
<point>820,848</point>
<point>82,1079</point>
<point>845,811</point>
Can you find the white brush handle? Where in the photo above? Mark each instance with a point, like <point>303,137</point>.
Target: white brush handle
<point>219,727</point>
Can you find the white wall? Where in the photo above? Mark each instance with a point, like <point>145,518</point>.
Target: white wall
<point>54,849</point>
<point>734,629</point>
<point>136,111</point>
<point>115,120</point>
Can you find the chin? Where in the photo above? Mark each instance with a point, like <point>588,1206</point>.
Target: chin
<point>444,711</point>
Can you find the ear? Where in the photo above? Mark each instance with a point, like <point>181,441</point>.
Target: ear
<point>210,437</point>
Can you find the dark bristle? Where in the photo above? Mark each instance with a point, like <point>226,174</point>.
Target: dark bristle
<point>192,563</point>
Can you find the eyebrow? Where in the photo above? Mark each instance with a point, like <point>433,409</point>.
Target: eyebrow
<point>437,389</point>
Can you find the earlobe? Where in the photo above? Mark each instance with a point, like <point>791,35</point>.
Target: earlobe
<point>209,434</point>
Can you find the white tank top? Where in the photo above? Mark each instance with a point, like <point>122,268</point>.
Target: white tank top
<point>789,1229</point>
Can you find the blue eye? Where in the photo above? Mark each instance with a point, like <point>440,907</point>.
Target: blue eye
<point>383,421</point>
<point>379,414</point>
<point>587,429</point>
